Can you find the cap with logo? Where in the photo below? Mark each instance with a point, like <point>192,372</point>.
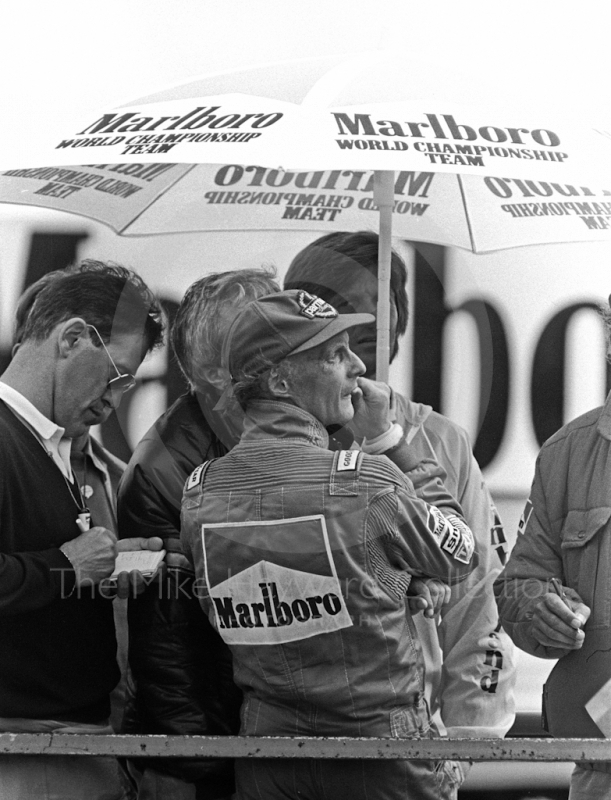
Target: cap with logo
<point>279,325</point>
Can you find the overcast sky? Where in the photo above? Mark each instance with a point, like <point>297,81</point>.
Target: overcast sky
<point>64,53</point>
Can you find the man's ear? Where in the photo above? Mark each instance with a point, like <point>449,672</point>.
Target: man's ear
<point>278,385</point>
<point>218,377</point>
<point>69,333</point>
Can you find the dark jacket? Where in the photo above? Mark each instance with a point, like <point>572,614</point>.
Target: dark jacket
<point>181,669</point>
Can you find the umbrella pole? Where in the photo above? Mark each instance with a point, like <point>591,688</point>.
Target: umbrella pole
<point>384,198</point>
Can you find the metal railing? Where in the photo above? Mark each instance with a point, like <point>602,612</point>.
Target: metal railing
<point>513,749</point>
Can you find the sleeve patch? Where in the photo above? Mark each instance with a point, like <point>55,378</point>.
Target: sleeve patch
<point>498,540</point>
<point>451,540</point>
<point>452,534</point>
<point>436,522</point>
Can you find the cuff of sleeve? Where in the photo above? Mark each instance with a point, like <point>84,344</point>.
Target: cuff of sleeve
<point>64,574</point>
<point>385,441</point>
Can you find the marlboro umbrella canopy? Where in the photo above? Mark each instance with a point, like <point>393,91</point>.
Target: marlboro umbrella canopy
<point>481,213</point>
<point>302,147</point>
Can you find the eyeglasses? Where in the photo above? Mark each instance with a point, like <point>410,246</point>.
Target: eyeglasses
<point>122,383</point>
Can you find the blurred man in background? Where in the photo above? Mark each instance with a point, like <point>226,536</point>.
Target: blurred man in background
<point>182,671</point>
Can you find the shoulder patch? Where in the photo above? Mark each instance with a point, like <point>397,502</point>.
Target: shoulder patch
<point>347,460</point>
<point>194,477</point>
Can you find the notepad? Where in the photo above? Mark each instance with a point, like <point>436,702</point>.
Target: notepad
<point>145,561</point>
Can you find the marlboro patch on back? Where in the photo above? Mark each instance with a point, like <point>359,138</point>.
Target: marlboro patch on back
<point>272,582</point>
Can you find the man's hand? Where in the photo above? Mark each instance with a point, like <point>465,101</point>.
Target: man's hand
<point>371,408</point>
<point>557,623</point>
<point>428,595</point>
<point>92,554</point>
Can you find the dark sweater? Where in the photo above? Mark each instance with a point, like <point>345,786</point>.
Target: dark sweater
<point>58,654</point>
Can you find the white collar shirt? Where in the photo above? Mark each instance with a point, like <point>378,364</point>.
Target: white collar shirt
<point>50,435</point>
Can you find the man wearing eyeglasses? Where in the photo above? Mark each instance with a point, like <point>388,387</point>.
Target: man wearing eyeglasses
<point>85,336</point>
<point>96,469</point>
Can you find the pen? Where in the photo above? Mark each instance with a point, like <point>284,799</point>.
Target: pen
<point>556,588</point>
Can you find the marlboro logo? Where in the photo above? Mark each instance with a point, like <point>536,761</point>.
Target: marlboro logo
<point>271,612</point>
<point>272,582</point>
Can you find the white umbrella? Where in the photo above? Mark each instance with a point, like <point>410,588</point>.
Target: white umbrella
<point>217,155</point>
<point>481,213</point>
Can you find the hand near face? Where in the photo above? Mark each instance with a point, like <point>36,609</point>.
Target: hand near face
<point>558,624</point>
<point>372,408</point>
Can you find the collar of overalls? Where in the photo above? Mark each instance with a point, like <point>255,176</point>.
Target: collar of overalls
<point>267,419</point>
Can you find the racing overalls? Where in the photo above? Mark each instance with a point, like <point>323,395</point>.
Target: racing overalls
<point>303,558</point>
